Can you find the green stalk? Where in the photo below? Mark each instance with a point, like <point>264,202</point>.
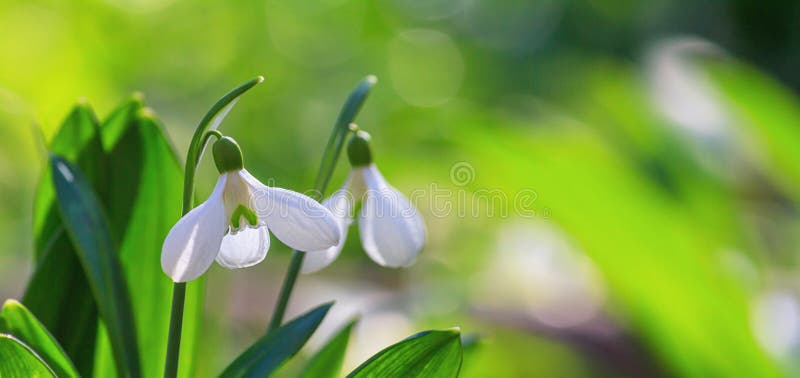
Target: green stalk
<point>329,159</point>
<point>212,119</point>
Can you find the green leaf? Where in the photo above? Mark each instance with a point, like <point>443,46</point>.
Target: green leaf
<point>145,201</point>
<point>59,295</point>
<point>58,292</point>
<point>19,360</point>
<point>767,115</point>
<point>120,120</point>
<point>78,140</point>
<point>328,361</point>
<point>89,231</point>
<point>426,354</point>
<point>16,320</point>
<point>269,352</point>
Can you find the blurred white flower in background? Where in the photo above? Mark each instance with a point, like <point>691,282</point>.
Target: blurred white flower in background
<point>382,315</point>
<point>775,321</point>
<point>536,267</point>
<point>680,91</point>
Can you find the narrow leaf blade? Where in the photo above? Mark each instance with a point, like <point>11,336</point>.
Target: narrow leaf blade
<point>88,229</point>
<point>426,354</point>
<point>328,361</point>
<point>272,350</point>
<point>16,320</point>
<point>58,292</point>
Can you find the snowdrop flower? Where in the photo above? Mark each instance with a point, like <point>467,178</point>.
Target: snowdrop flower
<point>392,231</point>
<point>232,225</point>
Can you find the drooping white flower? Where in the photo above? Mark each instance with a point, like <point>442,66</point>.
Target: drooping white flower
<point>232,226</point>
<point>391,229</point>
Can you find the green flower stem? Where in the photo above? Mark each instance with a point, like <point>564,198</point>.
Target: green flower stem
<point>329,159</point>
<point>202,134</point>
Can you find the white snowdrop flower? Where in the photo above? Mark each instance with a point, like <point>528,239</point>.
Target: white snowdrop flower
<point>392,230</point>
<point>232,226</point>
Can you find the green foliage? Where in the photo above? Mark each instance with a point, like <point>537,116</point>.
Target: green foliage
<point>18,360</point>
<point>269,352</point>
<point>139,178</point>
<point>327,362</point>
<point>88,229</point>
<point>16,320</point>
<point>767,116</point>
<point>426,354</point>
<point>145,185</point>
<point>58,292</point>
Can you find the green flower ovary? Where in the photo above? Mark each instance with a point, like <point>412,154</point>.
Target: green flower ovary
<point>243,212</point>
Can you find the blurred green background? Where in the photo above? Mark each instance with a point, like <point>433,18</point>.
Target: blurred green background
<point>610,187</point>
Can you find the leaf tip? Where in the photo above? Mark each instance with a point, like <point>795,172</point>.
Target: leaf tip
<point>327,305</point>
<point>11,302</point>
<point>371,79</point>
<point>147,113</point>
<point>260,79</point>
<point>453,332</point>
<point>138,97</point>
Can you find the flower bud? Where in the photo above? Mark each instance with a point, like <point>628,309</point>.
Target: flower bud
<point>227,155</point>
<point>358,150</point>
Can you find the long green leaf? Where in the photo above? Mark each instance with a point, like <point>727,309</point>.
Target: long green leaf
<point>89,231</point>
<point>16,320</point>
<point>19,360</point>
<point>145,197</point>
<point>269,352</point>
<point>58,292</point>
<point>328,361</point>
<point>426,354</point>
<point>77,140</point>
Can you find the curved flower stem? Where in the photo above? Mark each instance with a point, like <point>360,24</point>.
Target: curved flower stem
<point>202,134</point>
<point>329,159</point>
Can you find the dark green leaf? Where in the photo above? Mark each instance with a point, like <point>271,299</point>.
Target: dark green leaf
<point>426,354</point>
<point>269,352</point>
<point>89,231</point>
<point>19,360</point>
<point>328,361</point>
<point>145,201</point>
<point>58,292</point>
<point>16,320</point>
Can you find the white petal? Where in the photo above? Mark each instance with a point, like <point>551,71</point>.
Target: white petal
<point>341,204</point>
<point>193,243</point>
<point>245,248</point>
<point>295,219</point>
<point>392,231</point>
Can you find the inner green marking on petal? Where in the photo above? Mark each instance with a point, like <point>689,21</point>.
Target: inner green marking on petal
<point>242,211</point>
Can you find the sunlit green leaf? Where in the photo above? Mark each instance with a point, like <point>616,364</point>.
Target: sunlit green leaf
<point>145,192</point>
<point>58,293</point>
<point>19,360</point>
<point>766,116</point>
<point>328,361</point>
<point>16,320</point>
<point>89,231</point>
<point>269,352</point>
<point>426,354</point>
<point>119,120</point>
